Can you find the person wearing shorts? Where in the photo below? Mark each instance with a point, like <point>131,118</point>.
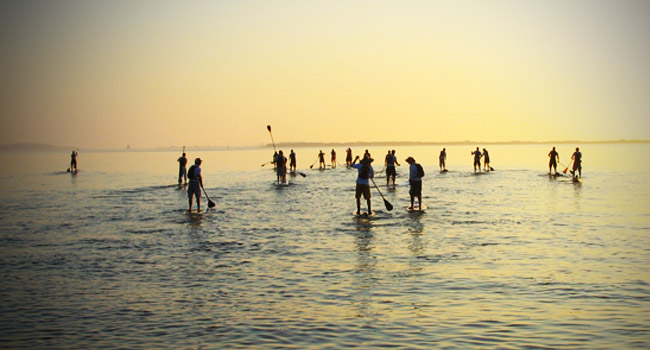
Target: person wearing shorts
<point>415,181</point>
<point>281,168</point>
<point>196,183</point>
<point>366,173</point>
<point>552,164</point>
<point>182,171</point>
<point>477,159</point>
<point>577,164</point>
<point>390,162</point>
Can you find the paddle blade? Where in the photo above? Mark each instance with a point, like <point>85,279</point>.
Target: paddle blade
<point>565,170</point>
<point>302,174</point>
<point>211,204</point>
<point>389,206</point>
<point>268,127</point>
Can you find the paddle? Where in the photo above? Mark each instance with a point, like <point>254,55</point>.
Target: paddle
<point>268,127</point>
<point>312,164</point>
<point>211,204</point>
<point>267,163</point>
<point>567,168</point>
<point>389,206</point>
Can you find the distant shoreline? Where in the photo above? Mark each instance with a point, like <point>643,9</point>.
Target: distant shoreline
<point>39,147</point>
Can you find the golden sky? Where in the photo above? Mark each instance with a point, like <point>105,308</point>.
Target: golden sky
<point>104,74</point>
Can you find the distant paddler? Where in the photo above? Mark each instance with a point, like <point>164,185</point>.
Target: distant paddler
<point>577,164</point>
<point>196,184</point>
<point>477,159</point>
<point>321,160</point>
<point>348,157</point>
<point>390,162</point>
<point>281,168</point>
<point>442,159</point>
<point>486,161</point>
<point>182,170</point>
<point>73,162</point>
<point>366,172</point>
<point>333,159</point>
<point>554,159</point>
<point>292,162</point>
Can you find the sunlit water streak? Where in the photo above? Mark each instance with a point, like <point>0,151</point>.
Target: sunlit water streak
<point>512,259</point>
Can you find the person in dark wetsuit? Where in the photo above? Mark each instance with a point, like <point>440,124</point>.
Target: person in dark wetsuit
<point>182,171</point>
<point>333,159</point>
<point>281,168</point>
<point>477,159</point>
<point>348,157</point>
<point>486,160</point>
<point>442,159</point>
<point>554,159</point>
<point>321,160</point>
<point>577,164</point>
<point>73,161</point>
<point>292,161</point>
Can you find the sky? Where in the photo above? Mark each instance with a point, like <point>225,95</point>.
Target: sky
<point>106,74</point>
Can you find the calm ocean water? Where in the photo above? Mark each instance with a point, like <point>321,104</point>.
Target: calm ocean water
<point>512,259</point>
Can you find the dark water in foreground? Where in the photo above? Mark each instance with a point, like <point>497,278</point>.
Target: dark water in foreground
<point>512,259</point>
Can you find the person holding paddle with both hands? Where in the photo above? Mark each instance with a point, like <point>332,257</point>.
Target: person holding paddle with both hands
<point>366,172</point>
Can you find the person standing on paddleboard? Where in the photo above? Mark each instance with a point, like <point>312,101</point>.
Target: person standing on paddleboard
<point>292,161</point>
<point>577,163</point>
<point>486,160</point>
<point>182,170</point>
<point>73,161</point>
<point>390,162</point>
<point>366,172</point>
<point>348,157</point>
<point>321,160</point>
<point>477,159</point>
<point>415,181</point>
<point>196,184</point>
<point>555,158</point>
<point>442,158</point>
<point>333,159</point>
<point>281,168</point>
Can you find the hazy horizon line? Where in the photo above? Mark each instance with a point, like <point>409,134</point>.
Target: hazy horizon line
<point>33,146</point>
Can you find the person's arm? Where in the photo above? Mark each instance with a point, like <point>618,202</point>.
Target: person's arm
<point>355,160</point>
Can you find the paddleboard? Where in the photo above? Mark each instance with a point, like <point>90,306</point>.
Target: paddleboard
<point>577,180</point>
<point>363,214</point>
<point>444,171</point>
<point>416,209</point>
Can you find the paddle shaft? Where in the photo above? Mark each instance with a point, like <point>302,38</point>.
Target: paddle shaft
<point>389,206</point>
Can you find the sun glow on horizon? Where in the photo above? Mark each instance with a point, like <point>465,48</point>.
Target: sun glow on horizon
<point>107,75</point>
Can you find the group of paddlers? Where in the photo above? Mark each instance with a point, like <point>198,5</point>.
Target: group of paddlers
<point>365,171</point>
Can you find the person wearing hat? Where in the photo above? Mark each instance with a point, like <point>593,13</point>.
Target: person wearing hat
<point>366,173</point>
<point>415,181</point>
<point>196,184</point>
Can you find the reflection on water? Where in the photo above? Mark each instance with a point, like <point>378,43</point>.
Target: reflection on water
<point>513,259</point>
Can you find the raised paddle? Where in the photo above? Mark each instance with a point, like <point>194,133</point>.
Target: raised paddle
<point>389,206</point>
<point>268,127</point>
<point>211,204</point>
